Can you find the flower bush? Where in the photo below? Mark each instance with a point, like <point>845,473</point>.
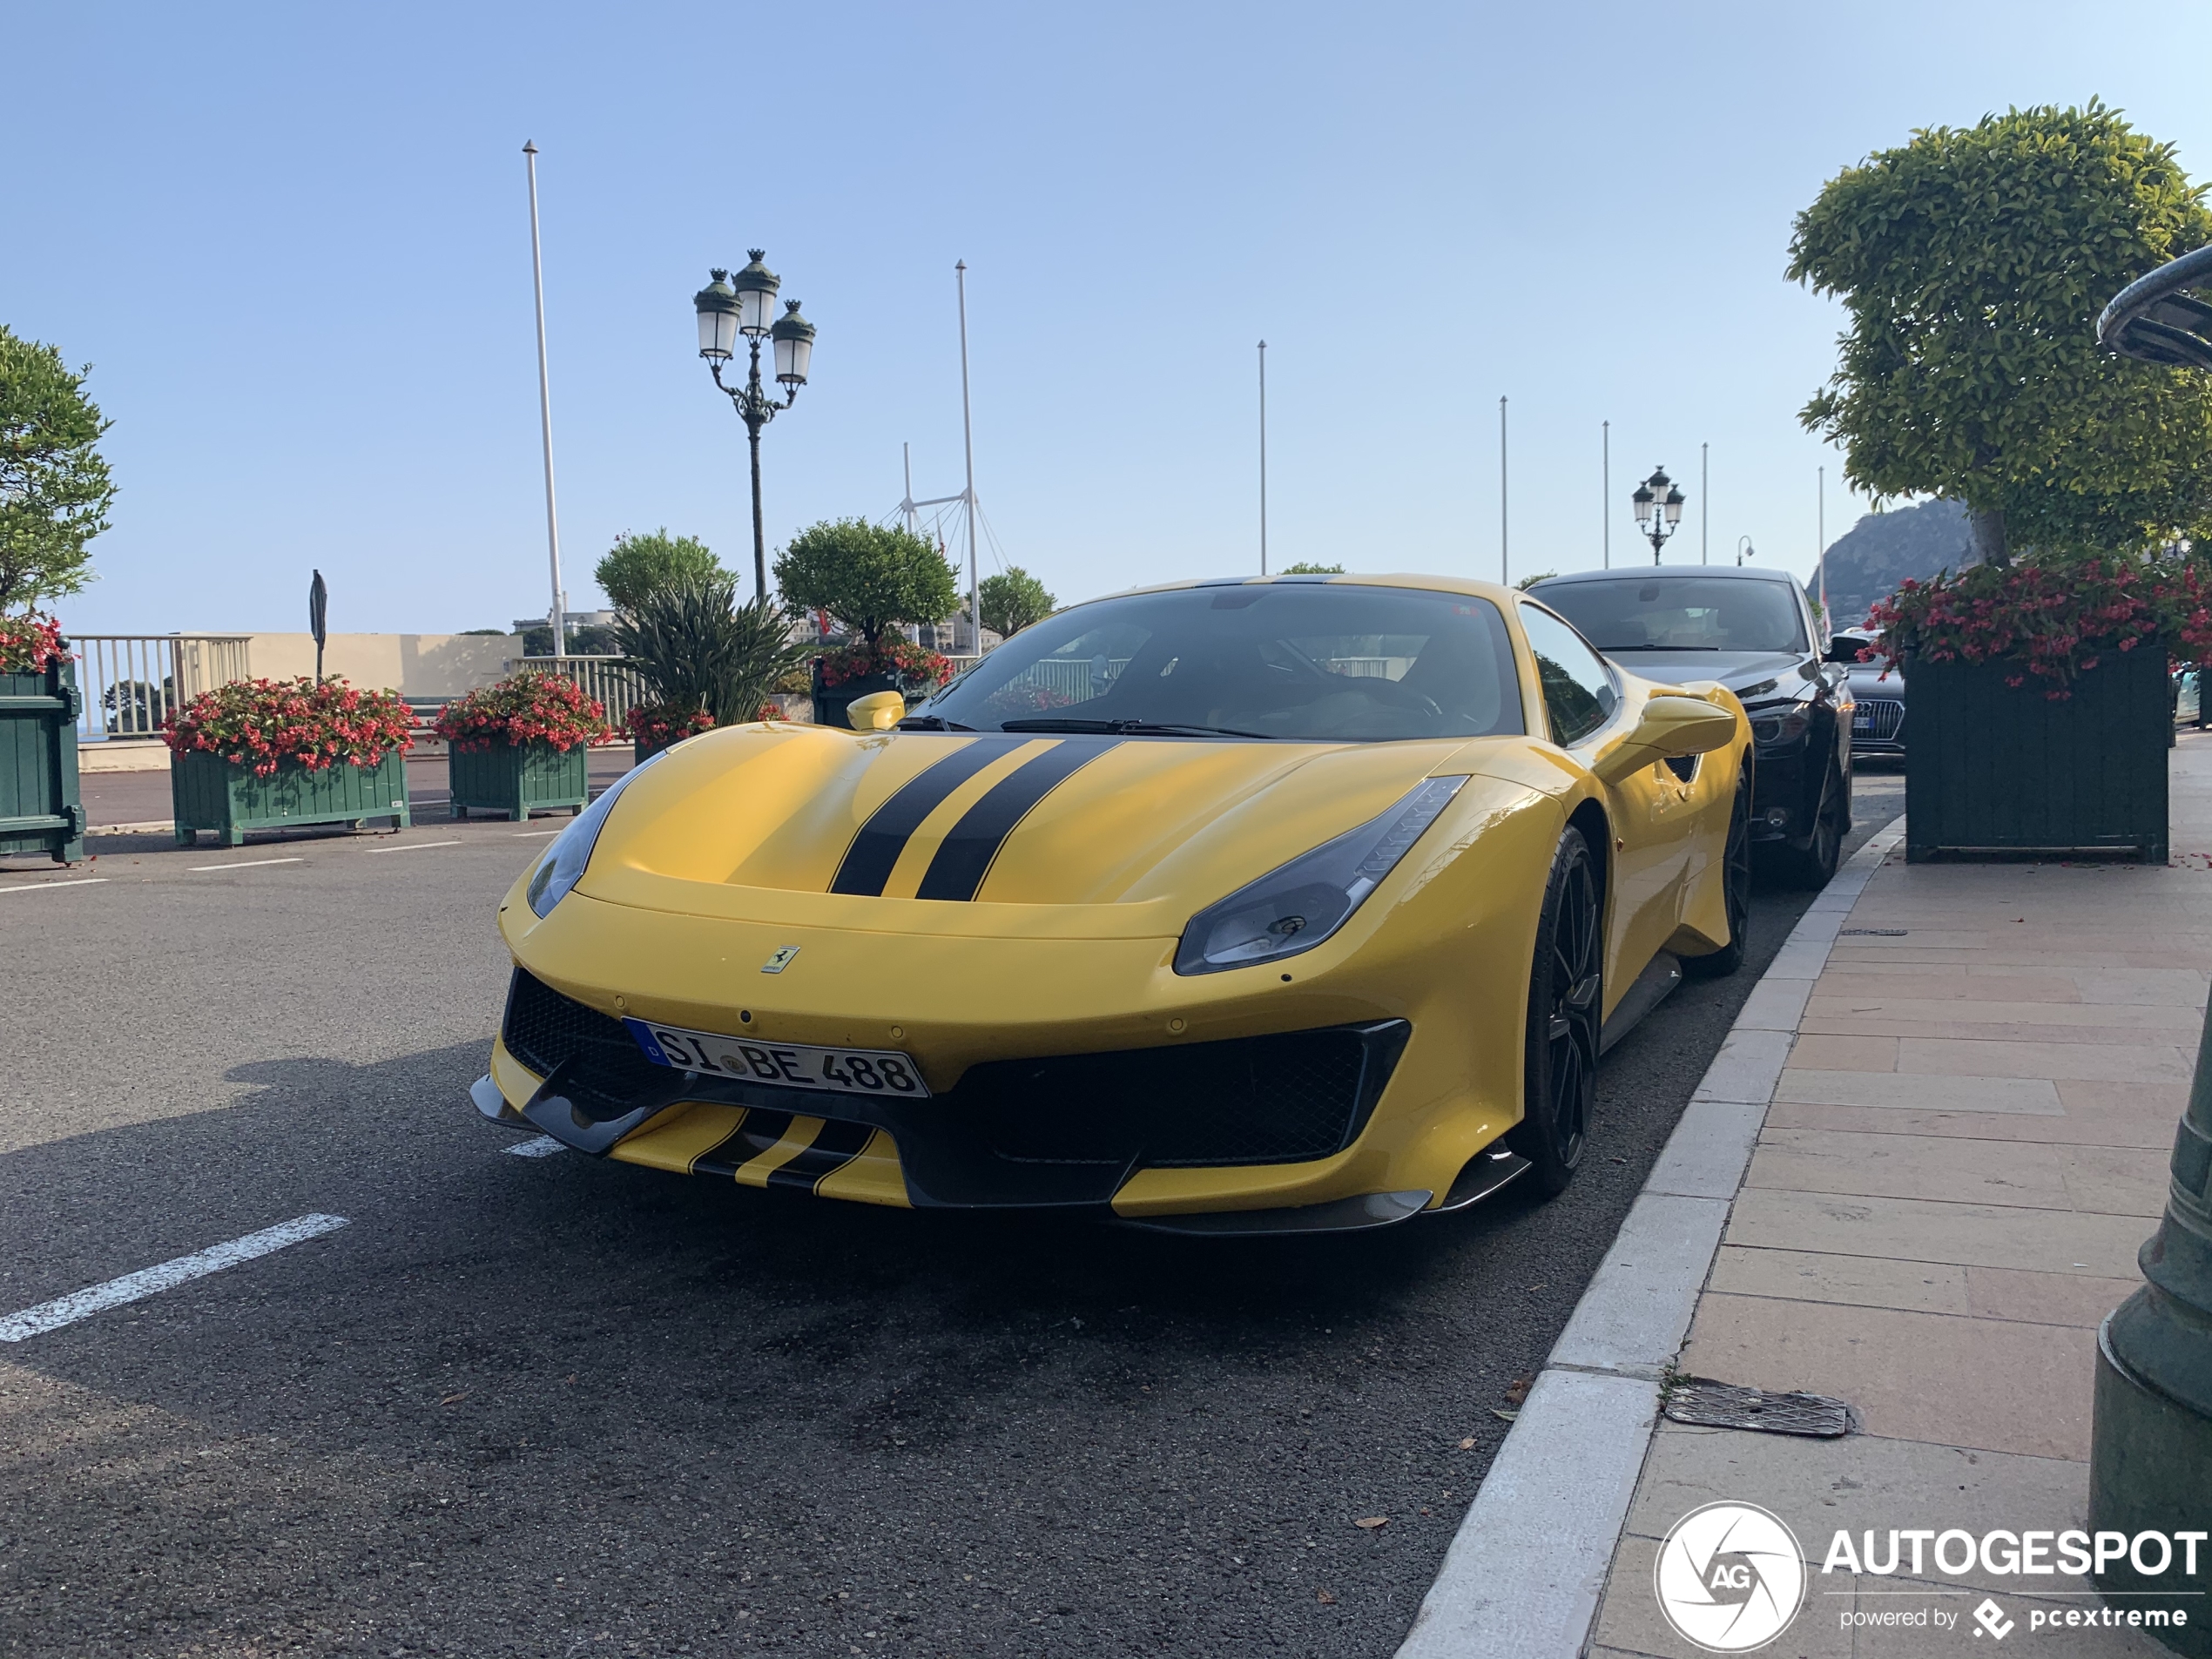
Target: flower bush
<point>528,707</point>
<point>913,667</point>
<point>2049,620</point>
<point>658,724</point>
<point>29,643</point>
<point>261,724</point>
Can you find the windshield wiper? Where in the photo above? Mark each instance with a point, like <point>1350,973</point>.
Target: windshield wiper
<point>1615,648</point>
<point>932,722</point>
<point>1132,728</point>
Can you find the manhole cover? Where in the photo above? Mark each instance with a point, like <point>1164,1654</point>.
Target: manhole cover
<point>1876,933</point>
<point>1719,1404</point>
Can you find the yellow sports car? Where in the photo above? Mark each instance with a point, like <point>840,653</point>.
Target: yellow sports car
<point>1242,906</point>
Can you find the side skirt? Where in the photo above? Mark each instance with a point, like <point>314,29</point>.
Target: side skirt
<point>1650,989</point>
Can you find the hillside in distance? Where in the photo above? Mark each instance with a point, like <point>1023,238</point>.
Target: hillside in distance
<point>1870,560</point>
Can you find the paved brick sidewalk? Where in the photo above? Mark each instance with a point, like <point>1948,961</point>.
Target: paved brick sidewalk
<point>1967,1150</point>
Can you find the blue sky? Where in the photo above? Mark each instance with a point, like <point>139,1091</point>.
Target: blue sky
<point>293,244</point>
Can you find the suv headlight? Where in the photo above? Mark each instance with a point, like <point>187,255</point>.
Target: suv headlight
<point>1768,730</point>
<point>563,863</point>
<point>1295,907</point>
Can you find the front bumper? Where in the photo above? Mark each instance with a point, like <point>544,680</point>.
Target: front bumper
<point>1064,1134</point>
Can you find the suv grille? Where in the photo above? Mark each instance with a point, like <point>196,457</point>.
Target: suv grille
<point>544,1028</point>
<point>1883,716</point>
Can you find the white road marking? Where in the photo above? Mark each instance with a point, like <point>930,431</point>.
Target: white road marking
<point>81,881</point>
<point>543,1146</point>
<point>247,864</point>
<point>528,833</point>
<point>414,847</point>
<point>147,1281</point>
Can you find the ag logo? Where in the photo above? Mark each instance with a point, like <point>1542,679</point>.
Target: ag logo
<point>1729,1577</point>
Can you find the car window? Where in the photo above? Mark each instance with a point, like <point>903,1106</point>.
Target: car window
<point>1629,613</point>
<point>1578,693</point>
<point>1321,662</point>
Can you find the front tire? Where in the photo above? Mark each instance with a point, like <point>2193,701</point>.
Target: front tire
<point>1814,864</point>
<point>1559,1085</point>
<point>1736,890</point>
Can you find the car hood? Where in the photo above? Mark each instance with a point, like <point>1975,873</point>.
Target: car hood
<point>1735,669</point>
<point>985,832</point>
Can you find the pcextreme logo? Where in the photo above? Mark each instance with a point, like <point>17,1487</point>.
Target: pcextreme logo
<point>1729,1577</point>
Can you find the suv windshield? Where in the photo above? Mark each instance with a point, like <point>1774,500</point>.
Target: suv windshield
<point>1330,661</point>
<point>1632,613</point>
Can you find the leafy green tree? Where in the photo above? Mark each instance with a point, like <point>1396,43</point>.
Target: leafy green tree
<point>638,565</point>
<point>1013,601</point>
<point>871,578</point>
<point>1307,567</point>
<point>1972,264</point>
<point>54,488</point>
<point>1528,582</point>
<point>696,647</point>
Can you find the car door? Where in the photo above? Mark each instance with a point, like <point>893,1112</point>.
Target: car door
<point>1649,809</point>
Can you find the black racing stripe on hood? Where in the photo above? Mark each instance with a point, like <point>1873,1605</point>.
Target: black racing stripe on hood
<point>867,863</point>
<point>964,858</point>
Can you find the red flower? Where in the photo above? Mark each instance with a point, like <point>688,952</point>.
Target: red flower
<point>262,724</point>
<point>528,707</point>
<point>29,643</point>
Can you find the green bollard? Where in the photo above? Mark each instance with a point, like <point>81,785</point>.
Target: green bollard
<point>2150,1455</point>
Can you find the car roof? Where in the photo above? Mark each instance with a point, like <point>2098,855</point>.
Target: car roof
<point>1354,579</point>
<point>1666,572</point>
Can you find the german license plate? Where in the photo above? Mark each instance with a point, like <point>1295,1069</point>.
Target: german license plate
<point>781,1065</point>
<point>1862,723</point>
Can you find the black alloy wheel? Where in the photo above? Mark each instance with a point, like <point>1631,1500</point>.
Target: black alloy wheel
<point>1814,864</point>
<point>1559,1084</point>
<point>1736,888</point>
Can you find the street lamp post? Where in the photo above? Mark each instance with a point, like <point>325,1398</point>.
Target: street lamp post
<point>1658,501</point>
<point>1744,550</point>
<point>734,309</point>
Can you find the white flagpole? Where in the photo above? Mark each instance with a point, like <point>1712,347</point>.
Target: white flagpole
<point>968,438</point>
<point>545,413</point>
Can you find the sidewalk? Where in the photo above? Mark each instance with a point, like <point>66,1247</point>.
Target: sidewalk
<point>1967,1145</point>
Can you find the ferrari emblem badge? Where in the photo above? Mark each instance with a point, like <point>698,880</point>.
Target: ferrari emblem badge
<point>781,961</point>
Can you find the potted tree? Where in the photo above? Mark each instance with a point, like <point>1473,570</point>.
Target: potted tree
<point>40,809</point>
<point>276,754</point>
<point>522,744</point>
<point>703,659</point>
<point>1971,262</point>
<point>871,578</point>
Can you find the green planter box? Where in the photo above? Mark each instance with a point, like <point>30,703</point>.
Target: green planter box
<point>519,778</point>
<point>211,793</point>
<point>1998,769</point>
<point>40,808</point>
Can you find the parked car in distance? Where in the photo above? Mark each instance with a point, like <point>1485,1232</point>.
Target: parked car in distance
<point>1753,631</point>
<point>1877,697</point>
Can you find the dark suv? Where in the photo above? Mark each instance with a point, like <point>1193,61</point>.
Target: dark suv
<point>1753,631</point>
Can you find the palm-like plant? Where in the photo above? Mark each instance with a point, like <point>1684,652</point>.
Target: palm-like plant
<point>695,648</point>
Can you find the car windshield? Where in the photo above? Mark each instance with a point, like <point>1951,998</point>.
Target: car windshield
<point>1631,613</point>
<point>1325,661</point>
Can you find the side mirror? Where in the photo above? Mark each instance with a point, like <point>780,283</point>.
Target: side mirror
<point>876,711</point>
<point>1670,726</point>
<point>1844,648</point>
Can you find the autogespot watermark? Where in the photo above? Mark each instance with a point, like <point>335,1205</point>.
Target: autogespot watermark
<point>1730,1578</point>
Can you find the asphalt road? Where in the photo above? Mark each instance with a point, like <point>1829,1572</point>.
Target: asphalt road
<point>558,1406</point>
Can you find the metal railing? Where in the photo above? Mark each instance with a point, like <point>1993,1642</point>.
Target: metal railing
<point>609,680</point>
<point>132,683</point>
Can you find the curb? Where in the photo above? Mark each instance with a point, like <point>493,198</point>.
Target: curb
<point>1525,1573</point>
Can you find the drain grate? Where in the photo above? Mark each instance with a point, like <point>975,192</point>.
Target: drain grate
<point>1719,1404</point>
<point>1876,933</point>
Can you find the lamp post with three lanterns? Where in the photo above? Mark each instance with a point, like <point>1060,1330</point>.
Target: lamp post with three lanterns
<point>734,307</point>
<point>1658,500</point>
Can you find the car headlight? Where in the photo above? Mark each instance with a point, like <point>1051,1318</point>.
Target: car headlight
<point>563,866</point>
<point>1767,730</point>
<point>1295,907</point>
